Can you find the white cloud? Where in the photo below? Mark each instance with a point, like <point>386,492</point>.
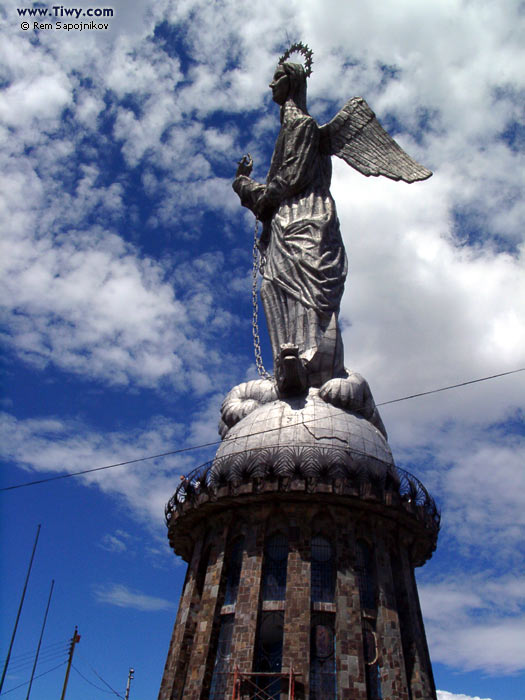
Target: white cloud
<point>472,464</point>
<point>89,304</point>
<point>94,309</point>
<point>123,597</point>
<point>445,695</point>
<point>407,229</point>
<point>476,623</point>
<point>41,99</point>
<point>117,542</point>
<point>57,446</point>
<point>113,544</point>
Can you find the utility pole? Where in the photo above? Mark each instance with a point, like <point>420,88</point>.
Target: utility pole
<point>130,678</point>
<point>40,640</point>
<point>75,640</point>
<point>19,610</point>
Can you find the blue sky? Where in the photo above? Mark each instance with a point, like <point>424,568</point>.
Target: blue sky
<point>126,296</point>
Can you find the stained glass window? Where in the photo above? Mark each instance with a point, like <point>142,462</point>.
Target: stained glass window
<point>322,571</point>
<point>274,567</point>
<point>222,665</point>
<point>269,652</point>
<point>323,683</point>
<point>233,574</point>
<point>366,575</point>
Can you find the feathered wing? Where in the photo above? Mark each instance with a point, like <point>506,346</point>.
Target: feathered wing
<point>355,135</point>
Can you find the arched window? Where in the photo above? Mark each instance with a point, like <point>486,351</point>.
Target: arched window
<point>233,573</point>
<point>365,572</point>
<point>274,567</point>
<point>405,626</point>
<point>269,653</point>
<point>372,668</point>
<point>221,668</point>
<point>322,657</point>
<point>322,571</point>
<point>202,569</point>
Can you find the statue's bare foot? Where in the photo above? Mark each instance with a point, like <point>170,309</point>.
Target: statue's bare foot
<point>290,372</point>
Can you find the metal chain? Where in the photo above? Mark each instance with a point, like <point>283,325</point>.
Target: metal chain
<point>258,266</point>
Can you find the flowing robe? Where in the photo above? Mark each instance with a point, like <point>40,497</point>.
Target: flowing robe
<point>304,258</point>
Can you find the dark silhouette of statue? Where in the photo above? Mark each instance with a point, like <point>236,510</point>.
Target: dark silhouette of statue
<point>304,261</point>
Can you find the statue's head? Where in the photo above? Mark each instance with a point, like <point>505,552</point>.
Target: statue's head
<point>289,80</point>
<point>280,85</point>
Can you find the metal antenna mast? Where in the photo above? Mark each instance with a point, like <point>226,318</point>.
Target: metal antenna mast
<point>19,610</point>
<point>40,640</point>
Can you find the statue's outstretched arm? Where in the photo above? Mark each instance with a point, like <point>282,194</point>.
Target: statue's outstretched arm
<point>249,191</point>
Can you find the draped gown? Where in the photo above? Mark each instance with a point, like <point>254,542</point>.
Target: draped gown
<point>305,262</point>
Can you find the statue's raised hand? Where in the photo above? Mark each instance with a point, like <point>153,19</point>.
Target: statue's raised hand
<point>245,166</point>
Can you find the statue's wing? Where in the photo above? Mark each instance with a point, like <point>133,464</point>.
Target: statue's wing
<point>355,135</point>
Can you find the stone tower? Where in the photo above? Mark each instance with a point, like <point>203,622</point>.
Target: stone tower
<point>301,538</point>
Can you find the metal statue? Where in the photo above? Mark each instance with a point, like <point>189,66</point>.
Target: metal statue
<point>304,258</point>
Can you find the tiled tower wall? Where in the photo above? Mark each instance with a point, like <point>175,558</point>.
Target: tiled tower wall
<point>394,621</point>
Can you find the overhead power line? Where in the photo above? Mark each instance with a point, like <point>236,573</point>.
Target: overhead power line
<point>102,690</point>
<point>107,684</point>
<point>16,658</point>
<point>44,656</point>
<point>452,386</point>
<point>262,432</point>
<point>5,692</point>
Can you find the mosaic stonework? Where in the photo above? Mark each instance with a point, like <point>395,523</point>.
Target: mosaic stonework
<point>403,664</point>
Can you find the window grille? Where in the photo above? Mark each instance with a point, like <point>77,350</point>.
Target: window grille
<point>219,679</point>
<point>274,568</point>
<point>365,575</point>
<point>269,652</point>
<point>322,571</point>
<point>323,682</point>
<point>233,575</point>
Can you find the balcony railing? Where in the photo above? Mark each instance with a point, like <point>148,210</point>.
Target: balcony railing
<point>361,475</point>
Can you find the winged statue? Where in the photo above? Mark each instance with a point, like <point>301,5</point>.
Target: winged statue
<point>304,263</point>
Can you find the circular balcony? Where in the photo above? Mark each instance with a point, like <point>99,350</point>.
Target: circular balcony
<point>336,476</point>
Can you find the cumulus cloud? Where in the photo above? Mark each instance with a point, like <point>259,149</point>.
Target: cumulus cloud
<point>153,100</point>
<point>476,623</point>
<point>91,305</point>
<point>56,446</point>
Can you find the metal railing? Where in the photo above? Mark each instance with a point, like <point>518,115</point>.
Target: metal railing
<point>284,464</point>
